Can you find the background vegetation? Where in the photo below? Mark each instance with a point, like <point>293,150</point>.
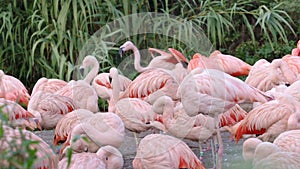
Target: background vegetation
<point>43,38</point>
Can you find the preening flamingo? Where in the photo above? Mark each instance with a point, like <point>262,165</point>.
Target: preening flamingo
<point>67,123</point>
<point>134,112</point>
<point>80,91</point>
<point>18,116</point>
<point>107,157</point>
<point>99,130</point>
<point>164,151</point>
<point>226,63</point>
<point>264,75</point>
<point>152,84</point>
<point>48,85</point>
<point>102,85</point>
<point>270,119</point>
<point>213,92</point>
<point>296,51</point>
<point>165,61</point>
<point>11,142</point>
<point>13,89</point>
<point>50,108</point>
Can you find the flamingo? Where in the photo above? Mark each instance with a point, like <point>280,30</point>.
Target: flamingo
<point>152,84</point>
<point>165,61</point>
<point>102,85</point>
<point>164,151</point>
<point>264,75</point>
<point>134,112</point>
<point>213,92</point>
<point>98,130</point>
<point>13,89</point>
<point>80,91</point>
<point>293,62</point>
<point>18,116</point>
<point>50,108</point>
<point>270,119</point>
<point>268,155</point>
<point>11,142</point>
<point>296,51</point>
<point>67,123</point>
<point>107,157</point>
<point>227,63</point>
<point>48,85</point>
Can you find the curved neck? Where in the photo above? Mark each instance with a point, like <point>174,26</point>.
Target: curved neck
<point>137,60</point>
<point>115,83</point>
<point>288,75</point>
<point>92,73</point>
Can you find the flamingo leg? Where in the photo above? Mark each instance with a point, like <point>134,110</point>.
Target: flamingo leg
<point>200,151</point>
<point>136,139</point>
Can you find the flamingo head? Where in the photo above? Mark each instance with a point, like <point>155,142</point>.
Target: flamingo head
<point>125,47</point>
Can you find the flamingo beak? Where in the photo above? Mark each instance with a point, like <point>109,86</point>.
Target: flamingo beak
<point>121,52</point>
<point>110,79</point>
<point>81,71</point>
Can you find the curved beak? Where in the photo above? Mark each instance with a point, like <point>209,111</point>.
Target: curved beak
<point>121,52</point>
<point>81,71</point>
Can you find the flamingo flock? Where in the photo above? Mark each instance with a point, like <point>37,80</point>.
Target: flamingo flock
<point>171,99</point>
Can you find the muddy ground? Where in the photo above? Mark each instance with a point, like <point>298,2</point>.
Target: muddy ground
<point>232,154</point>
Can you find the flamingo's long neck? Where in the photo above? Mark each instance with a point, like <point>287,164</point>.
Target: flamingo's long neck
<point>115,91</point>
<point>137,60</point>
<point>93,73</point>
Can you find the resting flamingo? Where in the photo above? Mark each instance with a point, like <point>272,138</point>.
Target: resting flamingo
<point>296,51</point>
<point>18,116</point>
<point>227,63</point>
<point>270,119</point>
<point>293,62</point>
<point>134,112</point>
<point>98,130</point>
<point>80,91</point>
<point>164,151</point>
<point>13,89</point>
<point>102,85</point>
<point>67,123</point>
<point>50,108</point>
<point>12,140</point>
<point>107,157</point>
<point>213,92</point>
<point>165,61</point>
<point>48,85</point>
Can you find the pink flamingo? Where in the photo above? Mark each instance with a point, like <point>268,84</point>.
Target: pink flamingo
<point>163,151</point>
<point>293,62</point>
<point>165,61</point>
<point>68,122</point>
<point>50,108</point>
<point>18,115</point>
<point>227,63</point>
<point>12,140</point>
<point>48,85</point>
<point>270,119</point>
<point>98,130</point>
<point>107,157</point>
<point>13,89</point>
<point>80,91</point>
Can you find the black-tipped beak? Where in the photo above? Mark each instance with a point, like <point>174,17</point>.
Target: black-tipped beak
<point>184,64</point>
<point>81,70</point>
<point>110,79</point>
<point>121,52</point>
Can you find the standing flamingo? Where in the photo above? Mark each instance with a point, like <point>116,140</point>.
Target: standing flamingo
<point>18,116</point>
<point>48,85</point>
<point>163,151</point>
<point>165,61</point>
<point>13,89</point>
<point>213,92</point>
<point>81,91</point>
<point>296,51</point>
<point>12,141</point>
<point>227,63</point>
<point>50,108</point>
<point>107,157</point>
<point>134,112</point>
